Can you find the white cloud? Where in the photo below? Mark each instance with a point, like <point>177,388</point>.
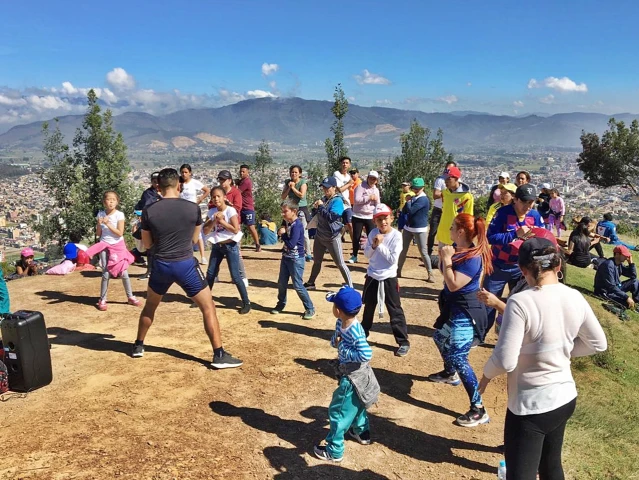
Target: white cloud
<point>269,68</point>
<point>385,101</point>
<point>369,78</point>
<point>449,99</point>
<point>48,102</point>
<point>230,97</point>
<point>518,104</point>
<point>272,84</point>
<point>549,100</point>
<point>563,84</point>
<point>12,102</point>
<point>119,79</point>
<point>260,94</point>
<point>351,99</point>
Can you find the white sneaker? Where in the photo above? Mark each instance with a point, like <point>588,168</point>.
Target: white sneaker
<point>203,261</point>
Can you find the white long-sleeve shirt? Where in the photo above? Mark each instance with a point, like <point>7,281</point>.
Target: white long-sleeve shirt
<point>382,261</point>
<point>542,329</point>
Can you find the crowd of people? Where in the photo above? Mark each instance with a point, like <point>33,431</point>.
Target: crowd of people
<point>541,325</point>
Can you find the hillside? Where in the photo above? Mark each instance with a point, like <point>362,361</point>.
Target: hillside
<point>295,121</point>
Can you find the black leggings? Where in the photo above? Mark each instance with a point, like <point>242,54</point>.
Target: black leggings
<point>360,224</point>
<point>533,443</point>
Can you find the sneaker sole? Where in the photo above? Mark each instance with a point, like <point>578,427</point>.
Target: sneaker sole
<point>333,460</point>
<point>444,382</point>
<point>221,366</point>
<point>357,439</point>
<point>474,424</point>
<point>137,355</point>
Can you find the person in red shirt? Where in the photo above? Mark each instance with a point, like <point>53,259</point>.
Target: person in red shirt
<point>247,212</point>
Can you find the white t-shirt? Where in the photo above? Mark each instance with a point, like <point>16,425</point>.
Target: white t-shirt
<point>107,235</point>
<point>543,328</point>
<point>341,181</point>
<point>219,233</point>
<point>190,190</point>
<point>383,260</point>
<point>440,184</point>
<point>84,248</point>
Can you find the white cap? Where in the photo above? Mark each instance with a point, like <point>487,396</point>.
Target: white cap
<point>373,173</point>
<point>545,185</point>
<point>504,174</point>
<point>381,210</point>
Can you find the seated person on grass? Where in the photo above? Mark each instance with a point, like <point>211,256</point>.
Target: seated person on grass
<point>608,283</point>
<point>606,228</point>
<point>26,267</point>
<point>266,230</point>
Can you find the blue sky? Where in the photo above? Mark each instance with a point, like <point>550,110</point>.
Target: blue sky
<point>502,57</point>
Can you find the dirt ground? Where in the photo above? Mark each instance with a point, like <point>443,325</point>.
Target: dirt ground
<point>167,415</point>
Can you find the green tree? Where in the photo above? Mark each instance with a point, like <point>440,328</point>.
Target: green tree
<point>263,158</point>
<point>422,156</point>
<point>315,173</point>
<point>266,184</point>
<point>481,206</point>
<point>77,179</point>
<point>336,148</point>
<point>612,160</point>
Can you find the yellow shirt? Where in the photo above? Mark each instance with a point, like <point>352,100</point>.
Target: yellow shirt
<point>454,203</point>
<point>403,198</point>
<point>492,210</point>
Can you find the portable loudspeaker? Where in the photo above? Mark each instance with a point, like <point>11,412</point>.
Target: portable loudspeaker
<point>26,348</point>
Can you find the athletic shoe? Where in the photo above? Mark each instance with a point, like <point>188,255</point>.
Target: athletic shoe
<point>203,261</point>
<point>353,259</point>
<point>246,308</point>
<point>258,248</point>
<point>363,438</point>
<point>477,342</point>
<point>134,301</point>
<point>194,305</point>
<point>102,306</point>
<point>138,351</point>
<point>430,280</point>
<point>309,286</point>
<point>475,416</point>
<point>308,314</point>
<point>277,310</point>
<point>309,258</point>
<point>226,361</point>
<point>402,351</point>
<point>322,454</point>
<point>144,277</point>
<point>445,377</point>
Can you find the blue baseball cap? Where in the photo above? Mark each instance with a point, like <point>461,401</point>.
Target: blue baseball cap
<point>329,182</point>
<point>346,299</point>
<point>70,251</point>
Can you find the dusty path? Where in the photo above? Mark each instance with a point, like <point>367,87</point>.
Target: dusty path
<point>167,416</point>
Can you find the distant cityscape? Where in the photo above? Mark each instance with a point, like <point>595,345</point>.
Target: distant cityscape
<point>23,201</point>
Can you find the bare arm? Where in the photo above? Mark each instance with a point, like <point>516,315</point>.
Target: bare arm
<point>437,193</point>
<point>147,239</point>
<point>205,193</point>
<point>196,234</point>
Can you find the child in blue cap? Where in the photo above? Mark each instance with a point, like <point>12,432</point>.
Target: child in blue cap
<point>357,389</point>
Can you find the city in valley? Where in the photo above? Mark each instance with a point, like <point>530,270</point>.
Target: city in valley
<point>23,199</point>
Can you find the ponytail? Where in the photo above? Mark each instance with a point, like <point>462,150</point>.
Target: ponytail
<point>474,228</point>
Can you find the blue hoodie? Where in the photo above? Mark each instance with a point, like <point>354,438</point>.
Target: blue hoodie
<point>417,210</point>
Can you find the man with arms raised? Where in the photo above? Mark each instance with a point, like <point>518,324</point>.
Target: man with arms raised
<point>171,226</point>
<point>344,183</point>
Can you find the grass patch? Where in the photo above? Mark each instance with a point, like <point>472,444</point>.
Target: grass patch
<point>602,438</point>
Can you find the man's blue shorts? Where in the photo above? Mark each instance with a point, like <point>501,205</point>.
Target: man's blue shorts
<point>186,273</point>
<point>248,217</point>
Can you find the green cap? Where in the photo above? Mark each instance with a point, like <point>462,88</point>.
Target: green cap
<point>417,183</point>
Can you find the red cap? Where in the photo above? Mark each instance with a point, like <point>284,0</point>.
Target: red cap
<point>622,249</point>
<point>453,172</point>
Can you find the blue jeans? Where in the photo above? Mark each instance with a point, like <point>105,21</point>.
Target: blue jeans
<point>232,253</point>
<point>495,284</point>
<point>627,245</point>
<point>454,340</point>
<point>293,268</point>
<point>345,411</point>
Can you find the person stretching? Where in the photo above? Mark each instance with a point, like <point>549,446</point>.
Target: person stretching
<point>172,226</point>
<point>366,197</point>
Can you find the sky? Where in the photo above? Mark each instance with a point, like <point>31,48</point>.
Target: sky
<point>502,57</point>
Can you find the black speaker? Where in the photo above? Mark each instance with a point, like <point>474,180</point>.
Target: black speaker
<point>27,354</point>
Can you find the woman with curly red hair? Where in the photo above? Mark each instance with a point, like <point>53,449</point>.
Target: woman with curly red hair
<point>462,319</point>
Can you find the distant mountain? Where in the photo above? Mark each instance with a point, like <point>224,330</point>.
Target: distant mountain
<point>295,121</point>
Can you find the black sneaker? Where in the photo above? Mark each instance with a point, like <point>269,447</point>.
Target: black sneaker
<point>226,361</point>
<point>246,308</point>
<point>402,351</point>
<point>278,309</point>
<point>309,286</point>
<point>475,416</point>
<point>322,454</point>
<point>363,438</point>
<point>144,277</point>
<point>445,377</point>
<point>138,351</point>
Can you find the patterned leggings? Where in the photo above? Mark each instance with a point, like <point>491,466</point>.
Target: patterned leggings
<point>454,340</point>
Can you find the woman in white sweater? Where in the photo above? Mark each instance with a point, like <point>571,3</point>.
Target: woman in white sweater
<point>542,329</point>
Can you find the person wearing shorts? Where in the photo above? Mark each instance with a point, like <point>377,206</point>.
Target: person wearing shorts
<point>171,226</point>
<point>247,214</point>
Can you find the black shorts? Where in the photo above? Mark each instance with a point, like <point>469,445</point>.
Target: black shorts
<point>248,217</point>
<point>186,273</point>
<point>347,216</point>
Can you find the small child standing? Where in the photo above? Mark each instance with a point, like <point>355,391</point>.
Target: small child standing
<point>110,229</point>
<point>358,389</point>
<point>292,263</point>
<point>557,212</point>
<point>383,249</point>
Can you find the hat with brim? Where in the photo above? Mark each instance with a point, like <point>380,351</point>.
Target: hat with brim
<point>382,210</point>
<point>417,183</point>
<point>329,182</point>
<point>346,299</point>
<point>509,187</point>
<point>526,192</point>
<point>623,250</point>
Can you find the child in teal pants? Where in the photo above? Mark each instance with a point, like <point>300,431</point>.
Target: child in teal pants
<point>4,295</point>
<point>357,389</point>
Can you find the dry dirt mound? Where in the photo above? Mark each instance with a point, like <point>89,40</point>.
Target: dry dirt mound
<point>168,416</point>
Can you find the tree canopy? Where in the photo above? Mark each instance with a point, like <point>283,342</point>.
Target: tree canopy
<point>612,160</point>
<point>336,148</point>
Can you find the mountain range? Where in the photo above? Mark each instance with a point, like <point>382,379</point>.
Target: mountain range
<point>295,122</point>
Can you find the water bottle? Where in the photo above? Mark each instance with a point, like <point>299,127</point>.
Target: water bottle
<point>501,470</point>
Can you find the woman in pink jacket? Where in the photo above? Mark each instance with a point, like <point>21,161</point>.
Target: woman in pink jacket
<point>366,198</point>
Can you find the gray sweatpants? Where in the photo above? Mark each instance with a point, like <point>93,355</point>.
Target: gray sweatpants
<point>422,244</point>
<point>104,286</point>
<point>334,247</point>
